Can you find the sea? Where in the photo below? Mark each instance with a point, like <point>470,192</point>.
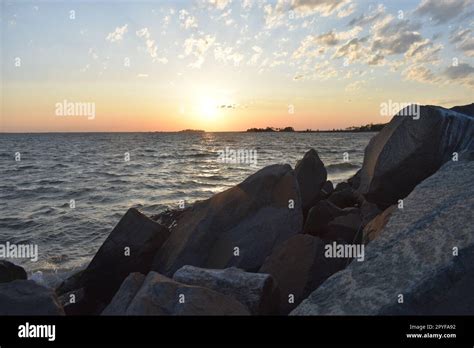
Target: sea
<point>64,192</point>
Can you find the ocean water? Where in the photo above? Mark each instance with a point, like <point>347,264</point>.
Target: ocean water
<point>163,168</point>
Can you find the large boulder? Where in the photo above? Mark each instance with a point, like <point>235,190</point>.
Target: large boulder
<point>311,175</point>
<point>321,215</point>
<point>344,227</point>
<point>130,247</point>
<point>410,149</point>
<point>238,227</point>
<point>345,197</point>
<point>9,271</point>
<point>375,226</point>
<point>125,294</point>
<point>465,109</point>
<point>421,264</point>
<point>25,297</point>
<point>299,266</point>
<point>257,291</point>
<point>159,295</point>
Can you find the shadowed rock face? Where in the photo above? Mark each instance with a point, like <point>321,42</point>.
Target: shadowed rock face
<point>300,266</point>
<point>159,295</point>
<point>311,175</point>
<point>407,151</point>
<point>253,216</point>
<point>465,109</point>
<point>10,271</point>
<point>25,297</point>
<point>111,265</point>
<point>257,291</point>
<point>413,256</point>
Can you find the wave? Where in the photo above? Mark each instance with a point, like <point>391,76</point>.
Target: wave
<point>342,167</point>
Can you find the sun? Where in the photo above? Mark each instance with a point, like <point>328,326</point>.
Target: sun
<point>208,108</point>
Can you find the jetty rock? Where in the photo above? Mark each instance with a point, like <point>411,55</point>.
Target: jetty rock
<point>238,227</point>
<point>159,295</point>
<point>25,297</point>
<point>422,263</point>
<point>411,148</point>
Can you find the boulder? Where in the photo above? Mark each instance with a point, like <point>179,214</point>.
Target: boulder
<point>299,266</point>
<point>25,297</point>
<point>342,186</point>
<point>354,181</point>
<point>130,247</point>
<point>465,109</point>
<point>326,190</point>
<point>75,303</point>
<point>160,295</point>
<point>238,227</point>
<point>319,216</point>
<point>345,198</point>
<point>368,211</point>
<point>125,294</point>
<point>375,227</point>
<point>344,227</point>
<point>425,253</point>
<point>408,150</point>
<point>257,291</point>
<point>9,271</point>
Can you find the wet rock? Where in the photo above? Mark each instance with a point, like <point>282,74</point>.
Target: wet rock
<point>9,271</point>
<point>311,175</point>
<point>125,294</point>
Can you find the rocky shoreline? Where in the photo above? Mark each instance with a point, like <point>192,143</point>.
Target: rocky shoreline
<point>396,238</point>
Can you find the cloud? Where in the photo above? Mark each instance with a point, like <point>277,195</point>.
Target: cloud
<point>117,34</point>
<point>187,21</point>
<point>419,73</point>
<point>219,4</point>
<point>198,48</point>
<point>255,56</point>
<point>227,54</point>
<point>346,11</point>
<point>150,44</point>
<point>464,41</point>
<point>287,9</point>
<point>355,86</point>
<point>461,71</point>
<point>423,51</point>
<point>442,11</point>
<point>315,45</point>
<point>364,20</point>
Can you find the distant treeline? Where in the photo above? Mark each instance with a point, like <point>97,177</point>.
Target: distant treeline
<point>367,128</point>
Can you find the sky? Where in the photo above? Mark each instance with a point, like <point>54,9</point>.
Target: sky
<point>227,65</point>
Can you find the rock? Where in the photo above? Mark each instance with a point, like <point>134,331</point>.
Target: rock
<point>238,227</point>
<point>345,198</point>
<point>354,181</point>
<point>465,109</point>
<point>415,256</point>
<point>257,291</point>
<point>408,150</point>
<point>343,227</point>
<point>9,271</point>
<point>74,303</point>
<point>125,295</point>
<point>25,297</point>
<point>160,295</point>
<point>130,247</point>
<point>71,283</point>
<point>311,175</point>
<point>319,216</point>
<point>327,189</point>
<point>373,229</point>
<point>368,211</point>
<point>300,266</point>
<point>342,186</point>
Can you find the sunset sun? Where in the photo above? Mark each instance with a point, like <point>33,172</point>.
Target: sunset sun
<point>207,108</point>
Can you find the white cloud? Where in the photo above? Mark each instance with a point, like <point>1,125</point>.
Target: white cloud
<point>187,21</point>
<point>219,4</point>
<point>198,48</point>
<point>150,44</point>
<point>442,11</point>
<point>117,34</point>
<point>464,41</point>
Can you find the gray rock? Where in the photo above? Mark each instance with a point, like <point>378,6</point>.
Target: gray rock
<point>375,227</point>
<point>414,256</point>
<point>343,227</point>
<point>345,197</point>
<point>160,295</point>
<point>73,302</point>
<point>465,109</point>
<point>299,266</point>
<point>25,297</point>
<point>407,151</point>
<point>257,291</point>
<point>9,271</point>
<point>311,175</point>
<point>368,211</point>
<point>253,216</point>
<point>112,263</point>
<point>320,215</point>
<point>327,189</point>
<point>125,295</point>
